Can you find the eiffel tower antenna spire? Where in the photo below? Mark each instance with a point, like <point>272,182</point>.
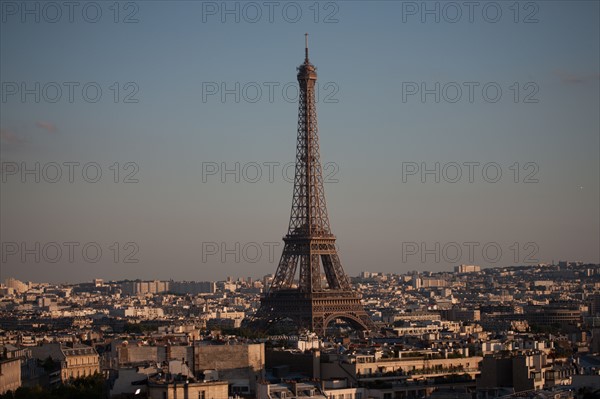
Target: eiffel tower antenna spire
<point>306,48</point>
<point>310,286</point>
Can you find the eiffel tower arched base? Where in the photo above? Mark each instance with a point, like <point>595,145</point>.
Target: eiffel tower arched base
<point>312,311</point>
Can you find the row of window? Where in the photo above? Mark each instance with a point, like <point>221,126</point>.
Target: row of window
<point>358,395</point>
<point>201,395</point>
<point>79,373</point>
<point>78,360</point>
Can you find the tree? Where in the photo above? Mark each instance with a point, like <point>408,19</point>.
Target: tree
<point>90,387</point>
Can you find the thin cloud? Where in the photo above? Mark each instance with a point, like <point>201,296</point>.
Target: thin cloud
<point>571,78</point>
<point>10,137</point>
<point>48,126</point>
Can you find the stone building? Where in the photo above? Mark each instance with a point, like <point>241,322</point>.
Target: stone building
<point>240,364</point>
<point>512,373</point>
<point>10,374</point>
<point>75,360</point>
<point>181,387</point>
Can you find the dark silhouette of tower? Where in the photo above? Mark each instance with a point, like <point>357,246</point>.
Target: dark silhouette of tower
<point>313,302</point>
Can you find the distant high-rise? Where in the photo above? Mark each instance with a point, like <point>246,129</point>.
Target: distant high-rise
<point>467,269</point>
<point>15,284</point>
<point>317,298</point>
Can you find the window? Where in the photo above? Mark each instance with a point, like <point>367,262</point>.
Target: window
<point>202,395</point>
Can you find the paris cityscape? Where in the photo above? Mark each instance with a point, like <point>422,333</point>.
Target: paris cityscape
<point>443,165</point>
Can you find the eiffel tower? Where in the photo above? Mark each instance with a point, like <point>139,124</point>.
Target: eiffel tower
<point>313,302</point>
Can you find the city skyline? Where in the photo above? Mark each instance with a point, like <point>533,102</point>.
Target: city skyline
<point>171,140</point>
<point>461,332</point>
<point>244,278</point>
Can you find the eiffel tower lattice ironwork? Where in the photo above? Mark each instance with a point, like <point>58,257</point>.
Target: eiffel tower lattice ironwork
<point>313,302</point>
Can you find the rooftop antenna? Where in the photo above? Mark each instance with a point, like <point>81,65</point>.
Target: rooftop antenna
<point>306,47</point>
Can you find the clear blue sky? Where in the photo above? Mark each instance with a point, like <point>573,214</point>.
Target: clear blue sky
<point>373,53</point>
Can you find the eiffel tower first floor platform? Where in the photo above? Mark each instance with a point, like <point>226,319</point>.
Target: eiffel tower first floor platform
<point>313,311</point>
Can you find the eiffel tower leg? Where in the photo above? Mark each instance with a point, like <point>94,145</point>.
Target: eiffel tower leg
<point>318,326</point>
<point>336,269</point>
<point>332,280</point>
<point>315,272</point>
<point>286,269</point>
<point>304,281</point>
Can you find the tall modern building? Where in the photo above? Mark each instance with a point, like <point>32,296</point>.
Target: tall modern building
<point>322,292</point>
